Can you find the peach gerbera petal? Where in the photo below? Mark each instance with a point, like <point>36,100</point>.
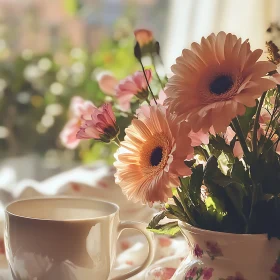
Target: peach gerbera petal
<point>151,157</point>
<point>215,80</point>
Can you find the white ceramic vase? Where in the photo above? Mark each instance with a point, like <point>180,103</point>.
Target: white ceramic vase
<point>226,256</point>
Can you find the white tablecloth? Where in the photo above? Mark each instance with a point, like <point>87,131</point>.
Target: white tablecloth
<point>98,182</point>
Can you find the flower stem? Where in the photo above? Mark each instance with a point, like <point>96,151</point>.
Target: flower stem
<point>143,69</point>
<point>117,141</point>
<point>158,77</point>
<point>253,203</point>
<point>256,125</point>
<point>240,134</point>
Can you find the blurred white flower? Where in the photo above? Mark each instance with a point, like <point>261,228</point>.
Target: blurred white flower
<point>47,121</point>
<point>77,53</point>
<point>32,72</point>
<point>56,88</point>
<point>54,109</point>
<point>44,64</point>
<point>4,132</point>
<point>23,97</point>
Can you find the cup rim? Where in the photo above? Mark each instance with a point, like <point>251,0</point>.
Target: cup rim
<point>7,211</point>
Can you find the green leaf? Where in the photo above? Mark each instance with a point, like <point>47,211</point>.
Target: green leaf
<point>171,228</point>
<point>176,210</point>
<point>215,207</point>
<point>239,173</point>
<point>236,194</point>
<point>219,143</point>
<point>156,219</point>
<point>213,174</point>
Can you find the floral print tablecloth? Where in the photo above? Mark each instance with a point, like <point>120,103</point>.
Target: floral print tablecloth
<point>98,182</point>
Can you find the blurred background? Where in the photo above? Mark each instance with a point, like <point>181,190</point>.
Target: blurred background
<point>52,50</point>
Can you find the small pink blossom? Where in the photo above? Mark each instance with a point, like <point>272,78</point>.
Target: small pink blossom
<point>164,241</point>
<point>191,273</point>
<point>99,125</point>
<point>78,107</point>
<point>207,273</point>
<point>237,149</point>
<point>198,252</point>
<point>134,85</point>
<point>238,276</point>
<point>199,138</point>
<point>108,84</point>
<point>276,268</point>
<point>213,249</point>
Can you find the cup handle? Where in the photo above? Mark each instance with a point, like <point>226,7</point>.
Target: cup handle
<point>150,238</point>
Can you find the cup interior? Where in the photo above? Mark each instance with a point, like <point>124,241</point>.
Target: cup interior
<point>61,209</point>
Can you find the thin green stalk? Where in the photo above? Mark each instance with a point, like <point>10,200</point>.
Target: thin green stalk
<point>117,141</point>
<point>240,135</point>
<point>256,126</point>
<point>158,77</point>
<point>254,200</point>
<point>143,69</point>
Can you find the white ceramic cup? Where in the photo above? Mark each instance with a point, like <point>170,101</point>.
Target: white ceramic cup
<point>66,238</point>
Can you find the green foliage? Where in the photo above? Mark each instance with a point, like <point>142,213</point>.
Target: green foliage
<point>170,228</point>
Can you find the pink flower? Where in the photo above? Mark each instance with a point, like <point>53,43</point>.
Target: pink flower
<point>151,157</point>
<point>191,273</point>
<point>134,85</point>
<point>199,138</point>
<point>143,36</point>
<point>215,80</point>
<point>207,273</point>
<point>108,84</point>
<point>237,149</point>
<point>78,107</point>
<point>198,252</point>
<point>164,241</point>
<point>276,268</point>
<point>238,276</point>
<point>213,249</point>
<point>100,124</point>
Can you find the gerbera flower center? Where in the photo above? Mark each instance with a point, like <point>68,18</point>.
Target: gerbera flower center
<point>221,84</point>
<point>156,156</point>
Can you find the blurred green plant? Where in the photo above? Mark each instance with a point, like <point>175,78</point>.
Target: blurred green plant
<point>36,89</point>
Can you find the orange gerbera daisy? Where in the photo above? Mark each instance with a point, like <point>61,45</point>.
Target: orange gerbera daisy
<point>151,157</point>
<point>215,79</point>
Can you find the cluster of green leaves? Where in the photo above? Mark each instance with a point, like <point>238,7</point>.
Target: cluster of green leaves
<point>243,196</point>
